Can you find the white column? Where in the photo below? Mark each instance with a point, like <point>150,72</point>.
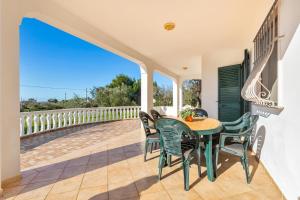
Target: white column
<point>9,90</point>
<point>146,89</point>
<point>180,95</point>
<point>175,97</point>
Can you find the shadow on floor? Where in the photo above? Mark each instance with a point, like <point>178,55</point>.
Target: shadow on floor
<point>128,191</point>
<point>102,159</point>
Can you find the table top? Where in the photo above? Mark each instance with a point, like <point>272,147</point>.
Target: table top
<point>205,126</point>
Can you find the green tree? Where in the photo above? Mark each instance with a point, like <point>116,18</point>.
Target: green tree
<point>192,93</point>
<point>163,96</point>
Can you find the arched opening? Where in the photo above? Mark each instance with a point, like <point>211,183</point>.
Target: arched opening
<point>68,85</point>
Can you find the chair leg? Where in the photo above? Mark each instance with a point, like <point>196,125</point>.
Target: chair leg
<point>151,147</point>
<point>246,164</point>
<point>169,160</point>
<point>198,152</point>
<point>242,162</point>
<point>146,149</point>
<point>161,164</point>
<point>216,160</point>
<point>186,170</point>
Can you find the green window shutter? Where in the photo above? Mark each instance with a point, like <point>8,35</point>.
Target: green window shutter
<point>229,92</point>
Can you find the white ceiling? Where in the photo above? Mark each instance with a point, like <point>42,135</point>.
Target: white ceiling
<point>202,26</point>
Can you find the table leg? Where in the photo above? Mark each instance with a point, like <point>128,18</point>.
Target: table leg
<point>208,158</point>
<point>199,151</point>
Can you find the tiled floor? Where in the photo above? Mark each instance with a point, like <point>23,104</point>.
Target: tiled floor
<point>106,162</point>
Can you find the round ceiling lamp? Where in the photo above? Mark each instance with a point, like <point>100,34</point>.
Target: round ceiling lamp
<point>169,26</point>
<point>184,68</point>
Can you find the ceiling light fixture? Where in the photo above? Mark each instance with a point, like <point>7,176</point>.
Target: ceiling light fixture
<point>169,26</point>
<point>184,68</point>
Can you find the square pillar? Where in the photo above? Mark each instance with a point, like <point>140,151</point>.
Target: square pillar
<point>180,95</point>
<point>9,91</point>
<point>176,95</point>
<point>146,89</point>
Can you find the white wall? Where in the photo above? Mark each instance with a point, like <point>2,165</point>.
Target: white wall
<point>280,149</point>
<point>210,66</point>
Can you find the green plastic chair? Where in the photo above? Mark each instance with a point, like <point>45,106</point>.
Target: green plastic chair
<point>152,137</point>
<point>236,143</point>
<point>175,140</point>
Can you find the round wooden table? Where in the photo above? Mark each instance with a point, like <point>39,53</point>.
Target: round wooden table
<point>206,128</point>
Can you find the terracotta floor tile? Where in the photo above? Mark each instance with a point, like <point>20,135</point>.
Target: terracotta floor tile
<point>67,185</point>
<point>93,193</point>
<point>48,175</point>
<point>122,190</point>
<point>72,195</point>
<point>73,171</point>
<point>35,191</point>
<point>155,196</point>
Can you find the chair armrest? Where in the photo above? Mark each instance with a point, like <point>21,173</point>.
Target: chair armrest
<point>232,123</point>
<point>150,127</point>
<point>224,136</point>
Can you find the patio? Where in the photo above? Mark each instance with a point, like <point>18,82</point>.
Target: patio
<point>105,161</point>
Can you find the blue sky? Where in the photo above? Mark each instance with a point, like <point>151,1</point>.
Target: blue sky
<point>52,58</point>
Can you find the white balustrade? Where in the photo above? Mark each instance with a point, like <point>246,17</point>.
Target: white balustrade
<point>40,121</point>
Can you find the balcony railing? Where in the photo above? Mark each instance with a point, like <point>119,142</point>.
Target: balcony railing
<point>264,44</point>
<point>48,120</point>
<point>41,121</point>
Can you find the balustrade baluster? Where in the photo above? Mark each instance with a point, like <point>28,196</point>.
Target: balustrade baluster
<point>88,116</point>
<point>59,120</point>
<point>70,118</point>
<point>29,124</point>
<point>42,119</point>
<point>101,117</point>
<point>79,117</point>
<point>117,113</point>
<point>97,115</point>
<point>22,125</point>
<point>54,120</point>
<point>121,113</point>
<point>35,123</point>
<point>105,113</point>
<point>65,119</point>
<point>93,116</point>
<point>48,118</point>
<point>74,118</point>
<point>84,116</point>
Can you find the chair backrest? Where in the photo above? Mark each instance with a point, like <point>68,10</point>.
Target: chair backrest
<point>156,115</point>
<point>171,132</point>
<point>145,118</point>
<point>199,112</point>
<point>252,122</point>
<point>243,124</point>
